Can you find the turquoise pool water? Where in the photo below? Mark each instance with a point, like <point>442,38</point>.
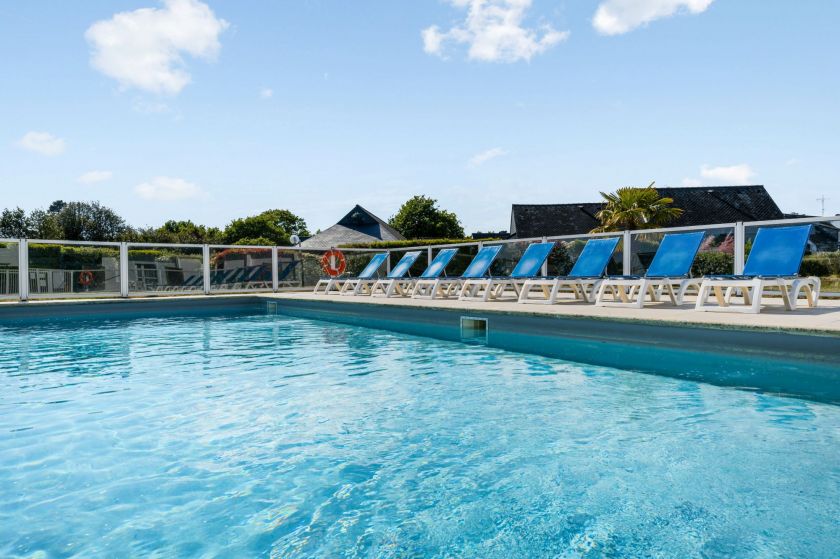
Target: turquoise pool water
<point>258,436</point>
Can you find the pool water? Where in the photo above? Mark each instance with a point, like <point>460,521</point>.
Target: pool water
<point>258,436</point>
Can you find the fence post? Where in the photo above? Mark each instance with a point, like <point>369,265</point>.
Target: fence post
<point>740,247</point>
<point>388,263</point>
<point>23,269</point>
<point>544,268</point>
<point>275,280</point>
<point>626,255</point>
<point>123,269</point>
<point>205,266</point>
<point>428,256</point>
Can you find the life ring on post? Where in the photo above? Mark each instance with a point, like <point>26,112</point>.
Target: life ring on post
<point>85,278</point>
<point>333,263</point>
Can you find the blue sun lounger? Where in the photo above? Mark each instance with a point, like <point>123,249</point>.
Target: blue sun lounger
<point>508,288</point>
<point>582,281</point>
<point>337,284</point>
<point>403,287</point>
<point>364,286</point>
<point>432,288</point>
<point>772,265</point>
<point>668,273</point>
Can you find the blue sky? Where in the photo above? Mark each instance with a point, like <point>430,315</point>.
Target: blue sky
<point>217,109</point>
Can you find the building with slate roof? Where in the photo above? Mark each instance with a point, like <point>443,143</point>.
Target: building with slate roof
<point>701,206</point>
<point>358,226</point>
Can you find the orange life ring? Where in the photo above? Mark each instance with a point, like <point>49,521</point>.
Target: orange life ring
<point>85,278</point>
<point>333,263</point>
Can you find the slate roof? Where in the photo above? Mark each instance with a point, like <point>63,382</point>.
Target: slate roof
<point>358,226</point>
<point>702,205</point>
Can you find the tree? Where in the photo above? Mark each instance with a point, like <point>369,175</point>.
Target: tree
<point>14,224</point>
<point>185,232</point>
<point>633,207</point>
<point>275,226</point>
<point>420,218</point>
<point>89,221</point>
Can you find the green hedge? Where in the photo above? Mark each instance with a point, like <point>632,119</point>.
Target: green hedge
<point>821,264</point>
<point>414,243</point>
<point>712,264</point>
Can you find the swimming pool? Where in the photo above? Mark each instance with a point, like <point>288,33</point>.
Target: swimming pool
<point>248,435</point>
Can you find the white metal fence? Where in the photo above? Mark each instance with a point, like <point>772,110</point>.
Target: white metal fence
<point>143,269</point>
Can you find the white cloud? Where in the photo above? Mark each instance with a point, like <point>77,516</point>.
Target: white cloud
<point>614,17</point>
<point>168,189</point>
<point>92,177</point>
<point>732,174</point>
<point>494,32</point>
<point>43,143</point>
<point>144,48</point>
<point>485,156</point>
<point>792,161</point>
<point>266,93</point>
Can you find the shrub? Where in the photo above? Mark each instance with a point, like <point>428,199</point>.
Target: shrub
<point>712,263</point>
<point>821,264</point>
<point>413,243</point>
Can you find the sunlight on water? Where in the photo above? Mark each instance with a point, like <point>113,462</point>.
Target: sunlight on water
<point>273,436</point>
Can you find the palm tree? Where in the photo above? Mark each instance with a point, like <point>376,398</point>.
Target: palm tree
<point>633,207</point>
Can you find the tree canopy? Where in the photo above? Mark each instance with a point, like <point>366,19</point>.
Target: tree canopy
<point>91,221</point>
<point>632,207</point>
<point>276,226</point>
<point>421,218</point>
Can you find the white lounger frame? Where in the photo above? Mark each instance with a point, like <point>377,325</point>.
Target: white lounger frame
<point>635,292</point>
<point>438,288</point>
<point>547,289</point>
<point>329,284</point>
<point>387,287</point>
<point>495,289</point>
<point>752,290</point>
<point>358,286</point>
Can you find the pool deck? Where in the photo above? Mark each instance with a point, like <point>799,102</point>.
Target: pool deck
<point>824,319</point>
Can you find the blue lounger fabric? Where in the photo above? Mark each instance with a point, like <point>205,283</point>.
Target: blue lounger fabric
<point>532,260</point>
<point>405,263</point>
<point>438,265</point>
<point>482,262</point>
<point>594,257</point>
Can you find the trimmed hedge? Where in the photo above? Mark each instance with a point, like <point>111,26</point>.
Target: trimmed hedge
<point>414,242</point>
<point>821,264</point>
<point>712,264</point>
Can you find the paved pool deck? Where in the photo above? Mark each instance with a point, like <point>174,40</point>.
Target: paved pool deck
<point>823,319</point>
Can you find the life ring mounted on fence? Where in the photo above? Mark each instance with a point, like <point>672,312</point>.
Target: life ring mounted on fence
<point>85,278</point>
<point>333,263</point>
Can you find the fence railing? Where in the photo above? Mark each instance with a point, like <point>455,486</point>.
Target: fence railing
<point>43,268</point>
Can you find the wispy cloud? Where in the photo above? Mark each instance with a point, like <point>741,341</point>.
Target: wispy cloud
<point>614,17</point>
<point>494,32</point>
<point>266,93</point>
<point>92,177</point>
<point>485,156</point>
<point>144,48</point>
<point>722,174</point>
<point>168,189</point>
<point>734,174</point>
<point>43,143</point>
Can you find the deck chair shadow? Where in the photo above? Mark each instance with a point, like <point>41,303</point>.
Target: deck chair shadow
<point>403,287</point>
<point>772,268</point>
<point>667,274</point>
<point>508,287</point>
<point>445,287</point>
<point>582,281</point>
